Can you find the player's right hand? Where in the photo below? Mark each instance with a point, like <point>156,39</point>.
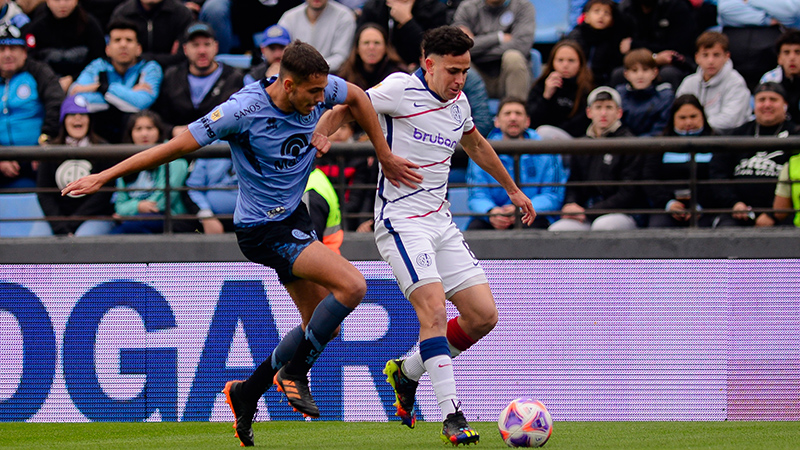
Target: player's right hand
<point>320,142</point>
<point>398,170</point>
<point>86,185</point>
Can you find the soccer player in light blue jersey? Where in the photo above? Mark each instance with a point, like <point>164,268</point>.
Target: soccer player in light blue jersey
<point>270,127</point>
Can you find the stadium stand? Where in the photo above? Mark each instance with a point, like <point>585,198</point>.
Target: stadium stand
<point>552,20</point>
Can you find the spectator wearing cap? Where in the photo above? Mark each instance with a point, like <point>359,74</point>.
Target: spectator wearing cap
<point>160,25</point>
<point>120,84</point>
<point>67,39</point>
<point>605,112</point>
<point>30,104</point>
<point>787,74</point>
<point>327,25</point>
<point>192,89</point>
<point>273,41</point>
<point>76,131</point>
<point>757,165</point>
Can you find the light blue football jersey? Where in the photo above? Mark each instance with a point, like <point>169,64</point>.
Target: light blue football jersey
<point>270,148</point>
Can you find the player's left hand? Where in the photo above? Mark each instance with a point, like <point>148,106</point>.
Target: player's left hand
<point>321,143</point>
<point>524,204</point>
<point>86,185</point>
<point>400,170</point>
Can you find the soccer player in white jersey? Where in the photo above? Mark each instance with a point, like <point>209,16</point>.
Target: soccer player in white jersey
<point>270,127</point>
<point>424,115</point>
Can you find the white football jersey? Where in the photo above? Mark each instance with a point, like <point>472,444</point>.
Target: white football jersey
<point>424,129</point>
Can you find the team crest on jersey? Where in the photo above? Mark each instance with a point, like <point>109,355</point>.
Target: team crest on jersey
<point>23,91</point>
<point>216,114</point>
<point>455,113</point>
<point>300,234</point>
<point>305,120</point>
<point>424,260</point>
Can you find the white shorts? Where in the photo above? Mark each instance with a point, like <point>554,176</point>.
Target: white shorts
<point>428,250</point>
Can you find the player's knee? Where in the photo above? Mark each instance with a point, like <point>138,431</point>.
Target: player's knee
<point>484,322</point>
<point>353,291</point>
<point>490,321</point>
<point>432,316</point>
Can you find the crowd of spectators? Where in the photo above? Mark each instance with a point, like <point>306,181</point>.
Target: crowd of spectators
<point>139,71</point>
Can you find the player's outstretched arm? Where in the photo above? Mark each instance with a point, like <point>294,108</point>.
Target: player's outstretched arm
<point>395,168</point>
<point>480,151</point>
<point>153,157</point>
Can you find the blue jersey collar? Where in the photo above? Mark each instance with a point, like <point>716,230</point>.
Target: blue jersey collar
<point>265,82</point>
<point>421,75</point>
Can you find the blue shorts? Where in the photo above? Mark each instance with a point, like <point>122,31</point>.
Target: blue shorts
<point>278,244</point>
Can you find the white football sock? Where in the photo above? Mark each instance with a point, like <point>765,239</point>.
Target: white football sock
<point>413,367</point>
<point>440,369</point>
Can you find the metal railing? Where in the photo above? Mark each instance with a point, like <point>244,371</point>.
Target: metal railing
<point>342,153</point>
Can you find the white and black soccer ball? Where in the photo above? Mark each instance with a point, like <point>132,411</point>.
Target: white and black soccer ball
<point>525,423</point>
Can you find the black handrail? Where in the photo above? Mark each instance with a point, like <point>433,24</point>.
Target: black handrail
<point>341,152</point>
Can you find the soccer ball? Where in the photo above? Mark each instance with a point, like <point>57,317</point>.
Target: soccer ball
<point>525,423</point>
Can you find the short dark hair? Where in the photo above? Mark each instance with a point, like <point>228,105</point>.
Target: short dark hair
<point>301,60</point>
<point>685,99</point>
<point>123,24</point>
<point>790,37</point>
<point>510,99</point>
<point>445,40</point>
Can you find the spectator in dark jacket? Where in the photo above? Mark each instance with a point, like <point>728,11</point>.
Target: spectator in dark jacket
<point>770,111</point>
<point>558,98</point>
<point>667,28</point>
<point>645,103</point>
<point>686,118</point>
<point>600,36</point>
<point>372,58</point>
<point>161,24</point>
<point>787,74</point>
<point>101,10</point>
<point>605,112</point>
<point>67,39</point>
<point>192,89</point>
<point>405,20</point>
<point>250,17</point>
<point>76,131</point>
